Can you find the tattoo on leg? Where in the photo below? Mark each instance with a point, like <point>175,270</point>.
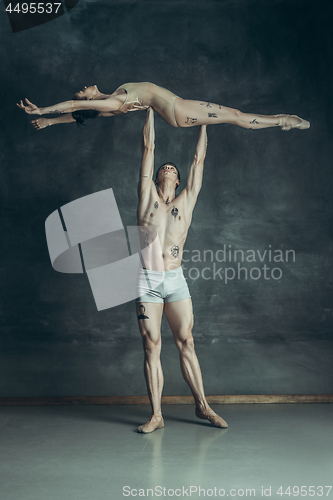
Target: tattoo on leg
<point>190,121</point>
<point>175,251</point>
<point>142,310</point>
<point>156,204</point>
<point>207,104</point>
<point>147,239</point>
<point>255,122</point>
<point>212,115</point>
<point>174,212</point>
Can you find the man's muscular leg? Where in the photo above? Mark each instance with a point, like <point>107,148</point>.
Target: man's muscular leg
<point>180,318</point>
<point>149,319</point>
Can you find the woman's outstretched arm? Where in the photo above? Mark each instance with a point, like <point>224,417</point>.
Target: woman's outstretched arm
<point>40,123</point>
<point>107,105</point>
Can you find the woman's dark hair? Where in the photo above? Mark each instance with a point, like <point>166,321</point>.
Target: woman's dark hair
<point>172,165</point>
<point>83,114</point>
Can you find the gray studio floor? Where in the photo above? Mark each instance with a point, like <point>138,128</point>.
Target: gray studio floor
<point>93,452</point>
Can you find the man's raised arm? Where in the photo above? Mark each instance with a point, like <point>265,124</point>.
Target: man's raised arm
<point>194,180</point>
<point>148,146</point>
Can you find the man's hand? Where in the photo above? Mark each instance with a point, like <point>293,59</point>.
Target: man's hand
<point>31,109</point>
<point>139,107</point>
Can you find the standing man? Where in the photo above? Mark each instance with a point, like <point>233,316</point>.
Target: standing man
<point>170,217</point>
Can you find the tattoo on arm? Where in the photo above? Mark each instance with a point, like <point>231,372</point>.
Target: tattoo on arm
<point>142,310</point>
<point>190,121</point>
<point>52,112</point>
<point>146,176</point>
<point>175,251</point>
<point>254,121</point>
<point>212,115</point>
<point>207,104</point>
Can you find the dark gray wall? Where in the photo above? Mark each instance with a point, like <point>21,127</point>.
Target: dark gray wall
<point>260,188</point>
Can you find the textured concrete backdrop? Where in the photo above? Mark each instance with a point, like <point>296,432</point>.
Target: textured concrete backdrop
<point>260,188</point>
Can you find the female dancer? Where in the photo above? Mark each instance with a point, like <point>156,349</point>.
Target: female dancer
<point>178,112</point>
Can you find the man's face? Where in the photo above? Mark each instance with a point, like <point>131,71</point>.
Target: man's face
<point>168,171</point>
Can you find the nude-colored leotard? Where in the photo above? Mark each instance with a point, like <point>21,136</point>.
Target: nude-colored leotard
<point>148,94</point>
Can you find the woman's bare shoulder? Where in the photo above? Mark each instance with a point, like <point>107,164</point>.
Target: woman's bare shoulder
<point>118,93</point>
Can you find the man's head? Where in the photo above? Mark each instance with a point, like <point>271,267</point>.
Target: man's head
<point>168,170</point>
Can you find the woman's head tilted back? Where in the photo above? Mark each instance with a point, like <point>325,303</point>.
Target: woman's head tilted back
<point>87,93</point>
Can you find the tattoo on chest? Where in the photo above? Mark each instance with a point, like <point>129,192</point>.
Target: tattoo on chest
<point>142,310</point>
<point>212,115</point>
<point>207,104</point>
<point>190,121</point>
<point>156,204</point>
<point>175,251</point>
<point>174,212</point>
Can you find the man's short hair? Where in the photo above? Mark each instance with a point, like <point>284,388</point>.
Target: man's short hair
<point>172,165</point>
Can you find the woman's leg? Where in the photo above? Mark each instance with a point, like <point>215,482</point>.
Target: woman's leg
<point>192,113</point>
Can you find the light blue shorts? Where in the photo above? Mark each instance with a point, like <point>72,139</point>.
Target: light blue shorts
<point>162,286</point>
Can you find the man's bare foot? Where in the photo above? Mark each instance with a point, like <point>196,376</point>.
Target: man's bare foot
<point>287,122</point>
<point>39,123</point>
<point>210,415</point>
<point>155,422</point>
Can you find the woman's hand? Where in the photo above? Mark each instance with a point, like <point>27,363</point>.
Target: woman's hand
<point>31,109</point>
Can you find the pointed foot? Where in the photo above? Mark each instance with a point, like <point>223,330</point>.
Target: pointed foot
<point>287,122</point>
<point>210,415</point>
